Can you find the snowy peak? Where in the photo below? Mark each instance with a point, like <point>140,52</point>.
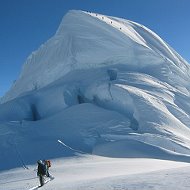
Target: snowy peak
<point>141,35</point>
<point>100,84</point>
<point>89,40</point>
<point>76,15</point>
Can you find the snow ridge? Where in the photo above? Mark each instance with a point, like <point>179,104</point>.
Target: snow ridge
<point>100,84</point>
<point>80,36</point>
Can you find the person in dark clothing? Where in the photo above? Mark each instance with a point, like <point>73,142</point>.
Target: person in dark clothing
<point>41,172</point>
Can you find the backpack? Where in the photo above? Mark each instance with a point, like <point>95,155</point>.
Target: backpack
<point>48,162</point>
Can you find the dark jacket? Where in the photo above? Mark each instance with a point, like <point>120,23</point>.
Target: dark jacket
<point>41,169</point>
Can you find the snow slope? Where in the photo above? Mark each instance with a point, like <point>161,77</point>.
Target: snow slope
<point>101,85</point>
<point>94,172</point>
<point>87,40</point>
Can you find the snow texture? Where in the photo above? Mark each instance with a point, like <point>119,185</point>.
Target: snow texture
<point>93,172</point>
<point>101,85</point>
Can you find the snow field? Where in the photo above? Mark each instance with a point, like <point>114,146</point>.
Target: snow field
<point>109,88</point>
<point>94,172</point>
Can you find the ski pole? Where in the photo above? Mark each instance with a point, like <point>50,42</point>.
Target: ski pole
<point>20,158</point>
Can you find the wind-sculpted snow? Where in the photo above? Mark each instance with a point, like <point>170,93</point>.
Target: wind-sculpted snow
<point>101,85</point>
<point>87,40</point>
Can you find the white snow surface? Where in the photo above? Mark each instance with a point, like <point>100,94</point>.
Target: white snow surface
<point>108,88</point>
<point>99,173</point>
<point>88,40</point>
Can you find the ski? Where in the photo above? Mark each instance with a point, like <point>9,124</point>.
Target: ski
<point>45,182</point>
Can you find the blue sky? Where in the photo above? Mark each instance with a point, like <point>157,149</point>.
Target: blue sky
<point>26,24</point>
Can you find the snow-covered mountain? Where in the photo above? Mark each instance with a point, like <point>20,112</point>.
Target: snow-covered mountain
<point>101,85</point>
<point>86,40</point>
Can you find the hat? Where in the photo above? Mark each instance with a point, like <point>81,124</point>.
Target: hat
<point>39,162</point>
